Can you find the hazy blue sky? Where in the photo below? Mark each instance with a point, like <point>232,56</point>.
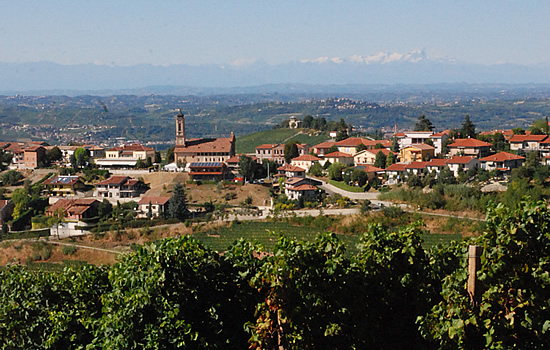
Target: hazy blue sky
<point>198,32</point>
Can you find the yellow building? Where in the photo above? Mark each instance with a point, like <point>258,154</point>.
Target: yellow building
<point>417,153</point>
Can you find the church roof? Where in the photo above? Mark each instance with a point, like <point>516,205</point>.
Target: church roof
<point>222,145</point>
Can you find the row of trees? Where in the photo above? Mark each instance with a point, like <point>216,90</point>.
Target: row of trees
<point>392,294</point>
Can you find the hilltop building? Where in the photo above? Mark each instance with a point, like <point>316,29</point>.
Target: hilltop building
<point>203,150</point>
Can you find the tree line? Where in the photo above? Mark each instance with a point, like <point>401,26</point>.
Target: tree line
<point>392,294</point>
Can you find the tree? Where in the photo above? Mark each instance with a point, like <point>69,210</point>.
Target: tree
<point>363,147</point>
<point>104,209</point>
<point>54,154</point>
<point>380,160</point>
<point>341,135</point>
<point>5,159</point>
<point>518,131</point>
<point>390,159</point>
<point>247,167</point>
<point>468,128</point>
<point>332,149</point>
<point>81,156</point>
<point>57,219</point>
<point>335,171</point>
<point>11,177</point>
<point>395,145</point>
<point>291,151</point>
<point>359,177</point>
<point>423,124</point>
<point>21,200</point>
<point>177,206</point>
<point>158,157</point>
<point>170,155</point>
<point>316,169</point>
<point>539,127</point>
<point>307,122</point>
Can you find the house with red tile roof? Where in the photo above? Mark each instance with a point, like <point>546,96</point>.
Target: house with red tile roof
<point>323,148</point>
<point>155,206</point>
<point>469,147</point>
<point>305,161</point>
<point>438,139</point>
<point>340,157</point>
<point>416,168</point>
<point>527,142</point>
<point>272,151</point>
<point>296,187</point>
<point>125,156</point>
<point>74,209</point>
<point>290,171</point>
<point>502,161</point>
<point>458,164</point>
<point>33,157</point>
<point>436,164</point>
<point>351,144</point>
<point>396,170</point>
<point>118,187</point>
<point>368,156</point>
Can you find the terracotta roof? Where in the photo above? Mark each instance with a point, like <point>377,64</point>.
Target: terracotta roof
<point>399,134</point>
<point>355,141</point>
<point>154,200</point>
<point>237,158</point>
<point>72,206</point>
<point>267,146</point>
<point>416,165</point>
<point>501,157</point>
<point>338,155</point>
<point>221,145</point>
<point>304,187</point>
<point>421,146</point>
<point>368,168</point>
<point>469,143</point>
<point>528,138</point>
<point>396,167</point>
<point>114,180</point>
<point>289,167</point>
<point>440,134</point>
<point>307,158</point>
<point>294,180</point>
<point>437,162</point>
<point>460,160</point>
<point>32,148</point>
<point>4,144</point>
<point>385,143</point>
<point>326,144</point>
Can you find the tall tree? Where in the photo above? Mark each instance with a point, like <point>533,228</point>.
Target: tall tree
<point>390,159</point>
<point>291,151</point>
<point>468,128</point>
<point>380,160</point>
<point>177,206</point>
<point>423,124</point>
<point>5,159</point>
<point>307,122</point>
<point>247,167</point>
<point>395,145</point>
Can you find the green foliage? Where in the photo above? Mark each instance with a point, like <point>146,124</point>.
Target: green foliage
<point>335,171</point>
<point>11,177</point>
<point>5,159</point>
<point>359,177</point>
<point>177,206</point>
<point>316,169</point>
<point>248,167</point>
<point>423,124</point>
<point>290,151</point>
<point>468,128</point>
<point>513,309</point>
<point>380,160</point>
<point>68,249</point>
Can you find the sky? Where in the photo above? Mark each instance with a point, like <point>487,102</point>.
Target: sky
<point>124,33</point>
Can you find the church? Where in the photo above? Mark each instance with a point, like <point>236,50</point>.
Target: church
<point>203,150</point>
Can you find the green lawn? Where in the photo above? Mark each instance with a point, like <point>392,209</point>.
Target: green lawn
<point>346,187</point>
<point>248,143</point>
<point>261,232</point>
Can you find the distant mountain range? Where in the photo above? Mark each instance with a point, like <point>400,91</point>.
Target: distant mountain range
<point>382,68</point>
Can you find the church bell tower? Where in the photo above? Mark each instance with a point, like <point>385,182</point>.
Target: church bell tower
<point>180,129</point>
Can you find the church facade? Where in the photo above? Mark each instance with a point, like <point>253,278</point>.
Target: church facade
<point>203,150</point>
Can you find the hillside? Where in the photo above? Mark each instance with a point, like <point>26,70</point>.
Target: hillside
<point>248,143</point>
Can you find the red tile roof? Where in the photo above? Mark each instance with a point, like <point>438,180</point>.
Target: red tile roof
<point>396,167</point>
<point>528,138</point>
<point>221,145</point>
<point>114,180</point>
<point>471,143</point>
<point>237,158</point>
<point>267,146</point>
<point>460,160</point>
<point>338,155</point>
<point>291,168</point>
<point>307,158</point>
<point>368,168</point>
<point>437,162</point>
<point>326,144</point>
<point>421,146</point>
<point>501,157</point>
<point>355,141</point>
<point>304,187</point>
<point>416,165</point>
<point>154,200</point>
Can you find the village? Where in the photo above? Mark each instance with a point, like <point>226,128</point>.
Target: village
<point>278,176</point>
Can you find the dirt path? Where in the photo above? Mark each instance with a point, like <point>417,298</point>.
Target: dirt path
<point>84,247</point>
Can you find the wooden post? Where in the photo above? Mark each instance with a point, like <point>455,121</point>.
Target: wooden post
<point>474,262</point>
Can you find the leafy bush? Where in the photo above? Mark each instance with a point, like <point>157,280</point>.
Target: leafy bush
<point>68,249</point>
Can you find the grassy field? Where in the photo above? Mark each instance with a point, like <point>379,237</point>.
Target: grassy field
<point>346,187</point>
<point>266,233</point>
<point>248,143</point>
